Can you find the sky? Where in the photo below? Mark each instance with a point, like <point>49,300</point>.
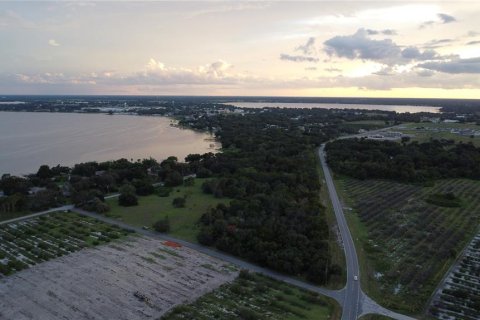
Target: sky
<point>319,48</point>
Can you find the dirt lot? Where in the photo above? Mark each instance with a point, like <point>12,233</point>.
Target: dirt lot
<point>136,278</point>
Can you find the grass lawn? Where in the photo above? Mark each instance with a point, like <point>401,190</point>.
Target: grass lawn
<point>183,221</point>
<point>258,297</point>
<point>365,124</point>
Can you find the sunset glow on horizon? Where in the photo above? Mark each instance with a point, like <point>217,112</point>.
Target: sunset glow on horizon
<point>351,49</point>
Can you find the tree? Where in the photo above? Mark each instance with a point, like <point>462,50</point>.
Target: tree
<point>179,202</point>
<point>162,225</point>
<point>44,172</point>
<point>190,181</point>
<point>143,187</point>
<point>127,196</point>
<point>128,200</point>
<point>173,179</point>
<point>405,140</point>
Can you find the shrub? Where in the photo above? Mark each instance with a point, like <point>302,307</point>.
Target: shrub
<point>173,179</point>
<point>128,200</point>
<point>179,202</point>
<point>162,225</point>
<point>164,191</point>
<point>189,182</point>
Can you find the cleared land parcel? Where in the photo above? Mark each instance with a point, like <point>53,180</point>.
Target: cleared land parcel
<point>135,278</point>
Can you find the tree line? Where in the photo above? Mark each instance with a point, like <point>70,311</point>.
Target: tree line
<point>410,162</point>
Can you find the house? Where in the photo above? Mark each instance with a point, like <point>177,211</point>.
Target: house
<point>35,190</point>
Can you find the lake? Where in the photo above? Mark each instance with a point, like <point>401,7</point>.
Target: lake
<point>29,139</point>
<point>396,108</point>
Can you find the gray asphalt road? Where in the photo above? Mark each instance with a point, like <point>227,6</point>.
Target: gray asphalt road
<point>63,208</point>
<point>352,304</point>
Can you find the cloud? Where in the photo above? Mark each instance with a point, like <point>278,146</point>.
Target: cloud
<point>333,70</point>
<point>387,32</point>
<point>308,48</point>
<point>53,43</point>
<point>446,18</point>
<point>471,43</point>
<point>298,58</point>
<point>360,46</point>
<point>425,73</point>
<point>473,33</point>
<point>413,53</point>
<point>216,9</point>
<point>443,18</point>
<point>454,66</point>
<point>9,18</point>
<point>308,51</point>
<point>311,68</point>
<point>435,43</point>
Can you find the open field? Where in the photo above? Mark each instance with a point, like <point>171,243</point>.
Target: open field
<point>365,124</point>
<point>134,278</point>
<point>406,244</point>
<point>39,239</point>
<point>460,295</point>
<point>456,131</point>
<point>183,221</point>
<point>252,296</point>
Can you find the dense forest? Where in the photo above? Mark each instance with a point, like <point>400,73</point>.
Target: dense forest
<point>269,167</point>
<point>414,162</point>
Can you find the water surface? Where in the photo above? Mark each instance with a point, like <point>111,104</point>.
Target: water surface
<point>30,139</point>
<point>309,105</point>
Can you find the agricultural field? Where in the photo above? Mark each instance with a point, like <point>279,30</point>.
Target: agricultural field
<point>458,132</point>
<point>406,242</point>
<point>32,241</point>
<point>131,278</point>
<point>459,297</point>
<point>253,296</point>
<point>183,221</point>
<point>12,215</point>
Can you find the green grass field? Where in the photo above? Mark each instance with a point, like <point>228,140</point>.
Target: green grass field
<point>365,124</point>
<point>254,296</point>
<point>405,244</point>
<point>183,221</point>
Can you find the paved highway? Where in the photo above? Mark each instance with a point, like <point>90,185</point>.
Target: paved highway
<point>33,215</point>
<point>352,303</point>
<point>355,302</point>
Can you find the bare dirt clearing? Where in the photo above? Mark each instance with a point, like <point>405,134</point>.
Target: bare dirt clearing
<point>138,278</point>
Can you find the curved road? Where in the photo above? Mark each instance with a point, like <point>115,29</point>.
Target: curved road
<point>355,302</point>
<point>351,303</point>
